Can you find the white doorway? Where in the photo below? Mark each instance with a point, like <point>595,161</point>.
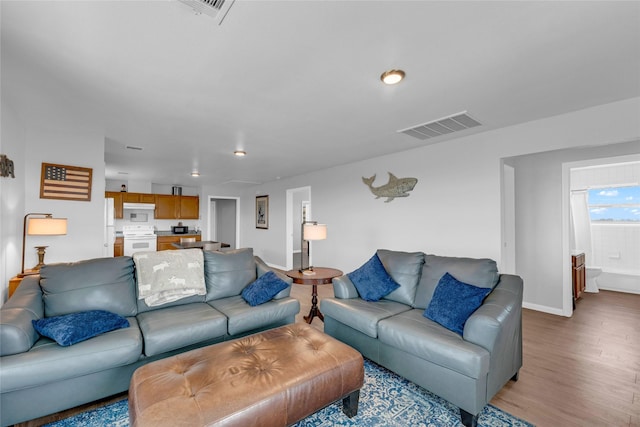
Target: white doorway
<point>508,258</point>
<point>298,204</point>
<point>223,220</point>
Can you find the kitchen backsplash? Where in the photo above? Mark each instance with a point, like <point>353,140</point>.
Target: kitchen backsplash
<point>160,224</point>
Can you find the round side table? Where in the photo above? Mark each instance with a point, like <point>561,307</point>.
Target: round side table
<point>322,276</point>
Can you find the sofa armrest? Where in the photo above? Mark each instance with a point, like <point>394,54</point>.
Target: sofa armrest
<point>497,327</point>
<point>17,333</point>
<point>343,288</point>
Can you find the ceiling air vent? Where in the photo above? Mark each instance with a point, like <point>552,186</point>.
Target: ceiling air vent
<point>215,8</point>
<point>444,126</point>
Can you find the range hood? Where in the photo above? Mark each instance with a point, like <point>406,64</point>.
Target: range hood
<point>139,206</point>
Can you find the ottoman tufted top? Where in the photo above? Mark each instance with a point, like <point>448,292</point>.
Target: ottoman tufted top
<point>273,378</point>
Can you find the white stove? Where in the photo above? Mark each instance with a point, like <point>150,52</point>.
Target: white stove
<point>139,238</point>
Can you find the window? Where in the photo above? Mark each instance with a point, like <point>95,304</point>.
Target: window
<point>615,204</point>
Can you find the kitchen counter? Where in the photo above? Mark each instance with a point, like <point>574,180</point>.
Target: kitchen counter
<point>166,233</point>
<point>169,233</point>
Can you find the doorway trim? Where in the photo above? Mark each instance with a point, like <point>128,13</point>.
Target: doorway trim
<point>209,227</point>
<point>567,281</point>
<point>289,224</point>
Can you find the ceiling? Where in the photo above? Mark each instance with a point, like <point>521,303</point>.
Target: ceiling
<point>297,83</point>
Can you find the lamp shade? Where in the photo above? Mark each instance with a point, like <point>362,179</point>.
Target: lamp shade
<point>47,226</point>
<point>314,231</point>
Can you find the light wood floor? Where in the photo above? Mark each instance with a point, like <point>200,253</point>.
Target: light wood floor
<point>578,371</point>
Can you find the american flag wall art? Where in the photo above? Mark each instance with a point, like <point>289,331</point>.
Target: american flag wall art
<point>65,182</point>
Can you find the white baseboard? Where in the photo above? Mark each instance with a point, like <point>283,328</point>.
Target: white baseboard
<point>279,267</point>
<point>626,291</point>
<point>543,308</point>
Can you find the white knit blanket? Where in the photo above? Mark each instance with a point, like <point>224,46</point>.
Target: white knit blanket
<point>167,276</point>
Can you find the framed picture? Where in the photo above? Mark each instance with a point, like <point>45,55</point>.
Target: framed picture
<point>262,212</point>
<point>65,182</point>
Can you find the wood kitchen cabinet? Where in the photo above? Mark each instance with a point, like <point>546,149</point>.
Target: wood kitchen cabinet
<point>118,247</point>
<point>189,207</point>
<point>166,242</point>
<point>117,202</point>
<point>167,205</point>
<point>578,275</point>
<point>177,207</point>
<point>138,198</point>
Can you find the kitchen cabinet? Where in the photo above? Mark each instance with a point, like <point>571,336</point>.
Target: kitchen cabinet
<point>189,207</point>
<point>118,247</point>
<point>138,198</point>
<point>117,202</point>
<point>167,205</point>
<point>177,207</point>
<point>578,276</point>
<point>166,242</point>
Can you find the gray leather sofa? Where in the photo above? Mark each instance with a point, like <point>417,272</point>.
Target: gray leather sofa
<point>466,370</point>
<point>40,377</point>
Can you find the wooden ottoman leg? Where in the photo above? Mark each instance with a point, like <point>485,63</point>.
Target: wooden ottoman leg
<point>350,404</point>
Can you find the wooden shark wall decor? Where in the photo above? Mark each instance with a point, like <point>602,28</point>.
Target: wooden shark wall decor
<point>396,187</point>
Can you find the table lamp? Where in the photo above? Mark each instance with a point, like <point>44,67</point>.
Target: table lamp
<point>311,230</point>
<point>46,226</point>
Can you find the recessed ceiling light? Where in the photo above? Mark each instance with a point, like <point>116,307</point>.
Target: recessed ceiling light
<point>392,77</point>
<point>195,173</point>
<point>240,153</point>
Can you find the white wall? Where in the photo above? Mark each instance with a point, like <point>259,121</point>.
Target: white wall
<point>85,220</point>
<point>540,254</point>
<point>453,210</point>
<point>12,144</point>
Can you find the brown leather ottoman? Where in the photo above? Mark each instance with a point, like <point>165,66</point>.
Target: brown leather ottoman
<point>273,378</point>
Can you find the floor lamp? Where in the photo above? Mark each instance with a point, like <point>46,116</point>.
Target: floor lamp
<point>311,230</point>
<point>46,226</point>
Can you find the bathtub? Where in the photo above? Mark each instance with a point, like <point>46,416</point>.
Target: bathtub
<point>619,282</point>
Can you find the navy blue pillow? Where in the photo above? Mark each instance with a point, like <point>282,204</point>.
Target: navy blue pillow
<point>263,289</point>
<point>73,328</point>
<point>453,302</point>
<point>372,281</point>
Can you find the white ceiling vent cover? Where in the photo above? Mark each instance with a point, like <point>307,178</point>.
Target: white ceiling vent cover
<point>443,126</point>
<point>217,9</point>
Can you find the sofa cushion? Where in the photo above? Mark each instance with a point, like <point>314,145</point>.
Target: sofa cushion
<point>372,281</point>
<point>96,284</point>
<point>47,362</point>
<point>405,268</point>
<point>481,272</point>
<point>361,315</point>
<point>453,302</point>
<point>167,276</point>
<point>73,328</point>
<point>411,332</point>
<point>242,317</point>
<point>263,289</point>
<point>227,273</point>
<point>169,328</point>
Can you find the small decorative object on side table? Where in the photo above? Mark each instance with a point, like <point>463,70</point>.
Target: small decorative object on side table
<point>322,276</point>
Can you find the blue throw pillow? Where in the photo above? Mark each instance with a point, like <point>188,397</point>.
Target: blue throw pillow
<point>72,328</point>
<point>372,281</point>
<point>453,302</point>
<point>263,289</point>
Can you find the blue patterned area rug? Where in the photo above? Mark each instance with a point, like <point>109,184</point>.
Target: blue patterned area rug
<point>386,400</point>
